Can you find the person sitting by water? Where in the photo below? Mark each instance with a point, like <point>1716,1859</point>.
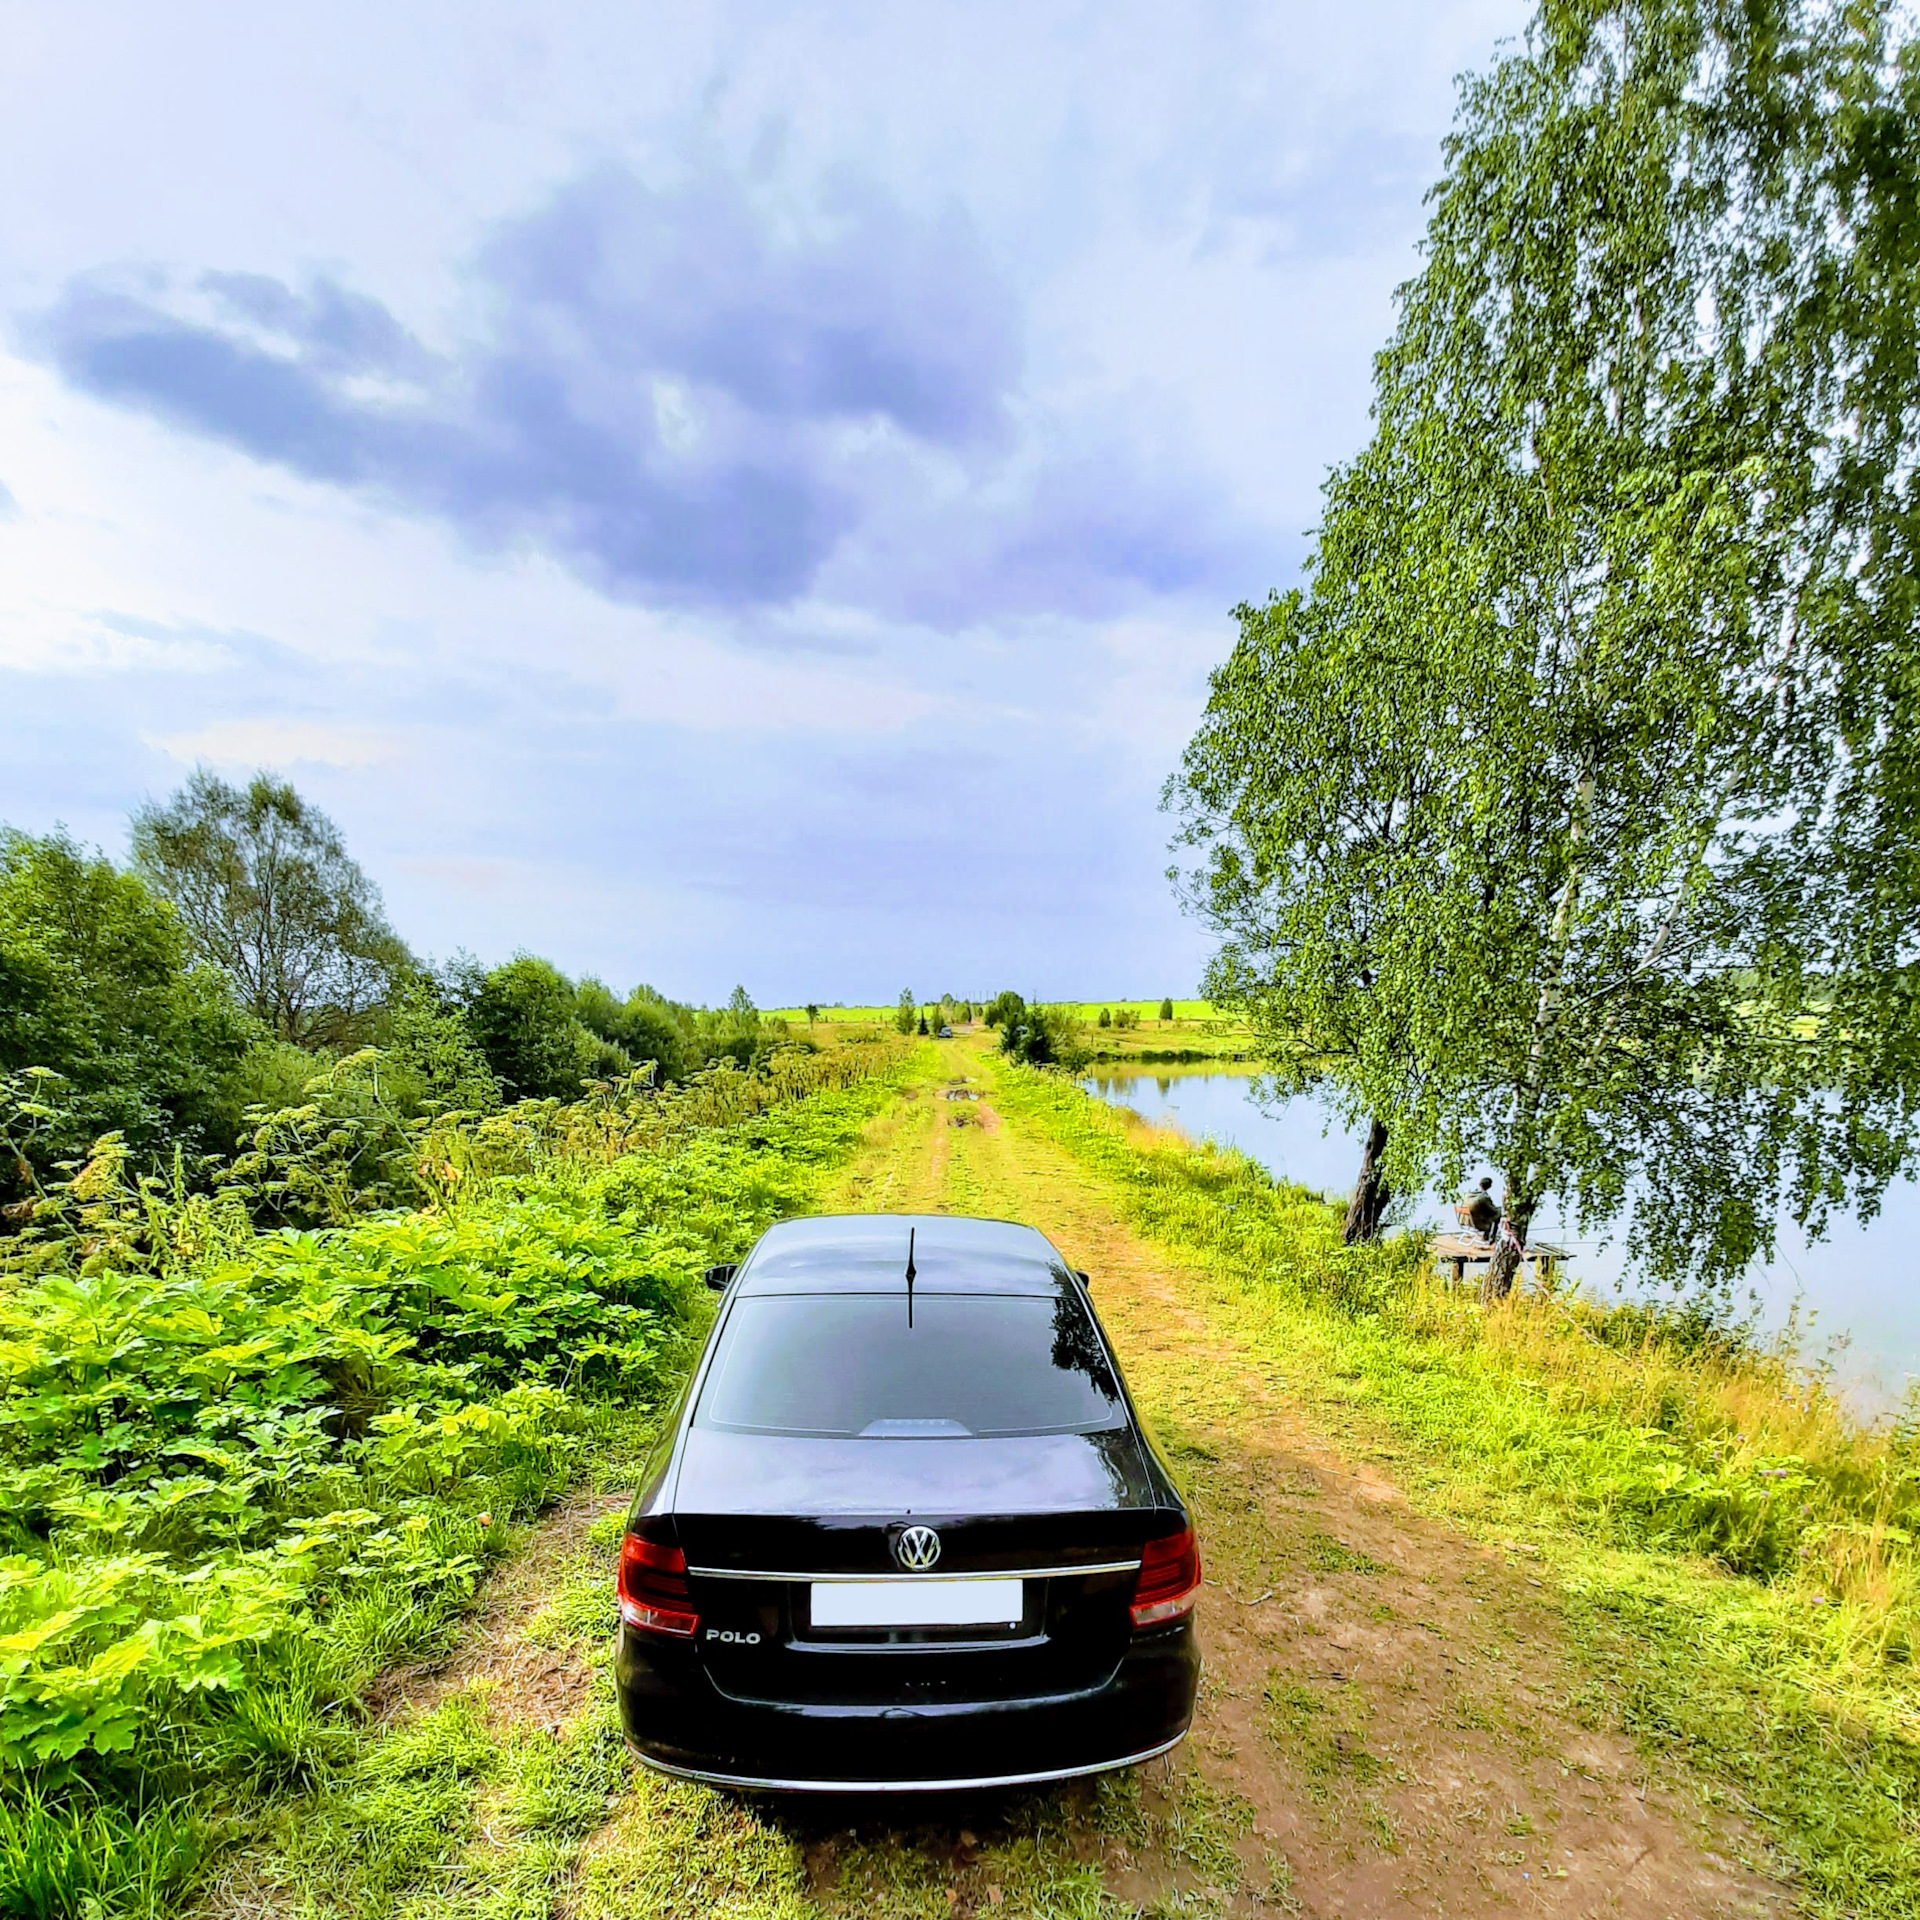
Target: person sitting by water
<point>1478,1209</point>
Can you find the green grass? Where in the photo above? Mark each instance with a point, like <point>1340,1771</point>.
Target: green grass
<point>458,1807</point>
<point>1323,1738</point>
<point>837,1016</point>
<point>680,1852</point>
<point>237,1485</point>
<point>1190,1011</point>
<point>1735,1556</point>
<point>1190,1038</point>
<point>465,1809</point>
<point>65,1858</point>
<point>449,1811</point>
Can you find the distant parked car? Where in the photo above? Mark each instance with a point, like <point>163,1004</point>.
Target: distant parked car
<point>906,1531</point>
<point>946,1033</point>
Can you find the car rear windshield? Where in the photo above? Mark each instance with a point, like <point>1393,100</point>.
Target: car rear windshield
<point>848,1366</point>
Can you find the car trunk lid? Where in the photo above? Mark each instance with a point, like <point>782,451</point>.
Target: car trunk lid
<point>768,1522</point>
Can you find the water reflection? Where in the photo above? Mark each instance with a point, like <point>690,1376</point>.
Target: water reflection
<point>1077,1349</point>
<point>1293,1139</point>
<point>1860,1286</point>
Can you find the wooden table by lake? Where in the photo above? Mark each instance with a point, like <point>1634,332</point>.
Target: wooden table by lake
<point>1461,1250</point>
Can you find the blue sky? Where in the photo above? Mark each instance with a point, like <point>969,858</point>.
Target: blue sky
<point>706,493</point>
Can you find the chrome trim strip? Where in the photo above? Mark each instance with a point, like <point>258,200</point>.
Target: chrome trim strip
<point>904,1786</point>
<point>1006,1573</point>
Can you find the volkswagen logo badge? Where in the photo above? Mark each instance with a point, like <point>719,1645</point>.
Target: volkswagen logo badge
<point>916,1548</point>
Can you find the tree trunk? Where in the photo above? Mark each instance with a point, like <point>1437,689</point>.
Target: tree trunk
<point>1368,1206</point>
<point>1509,1249</point>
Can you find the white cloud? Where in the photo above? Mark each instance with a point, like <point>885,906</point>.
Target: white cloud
<point>274,741</point>
<point>43,641</point>
<point>829,798</point>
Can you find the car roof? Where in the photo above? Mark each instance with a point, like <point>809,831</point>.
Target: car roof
<point>867,1253</point>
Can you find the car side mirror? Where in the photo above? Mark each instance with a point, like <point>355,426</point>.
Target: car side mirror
<point>1084,1277</point>
<point>717,1277</point>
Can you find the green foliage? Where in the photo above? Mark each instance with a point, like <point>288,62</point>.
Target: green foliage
<point>272,1074</point>
<point>1004,1007</point>
<point>1106,1017</point>
<point>649,1029</point>
<point>1565,818</point>
<point>97,987</point>
<point>346,1147</point>
<point>734,1032</point>
<point>907,1012</point>
<point>523,1020</point>
<point>666,1041</point>
<point>1040,1036</point>
<point>94,1858</point>
<point>430,1043</point>
<point>1166,1009</point>
<point>241,1471</point>
<point>329,1139</point>
<point>268,893</point>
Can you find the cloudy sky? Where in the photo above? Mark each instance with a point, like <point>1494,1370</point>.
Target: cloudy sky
<point>703,492</point>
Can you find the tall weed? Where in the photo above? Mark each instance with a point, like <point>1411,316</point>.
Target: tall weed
<point>240,1471</point>
<point>79,1860</point>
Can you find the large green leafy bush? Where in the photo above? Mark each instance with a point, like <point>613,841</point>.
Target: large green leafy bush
<point>99,990</point>
<point>240,1471</point>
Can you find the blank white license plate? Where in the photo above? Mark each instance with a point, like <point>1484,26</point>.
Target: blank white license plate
<point>917,1603</point>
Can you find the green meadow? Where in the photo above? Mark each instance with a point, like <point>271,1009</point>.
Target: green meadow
<point>306,1587</point>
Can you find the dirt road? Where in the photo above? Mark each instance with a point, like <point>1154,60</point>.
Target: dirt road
<point>1387,1709</point>
<point>1389,1724</point>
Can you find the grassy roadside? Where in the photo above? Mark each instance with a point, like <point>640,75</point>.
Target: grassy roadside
<point>500,1788</point>
<point>250,1476</point>
<point>1737,1562</point>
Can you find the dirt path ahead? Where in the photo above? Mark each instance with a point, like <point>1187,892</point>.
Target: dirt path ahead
<point>1389,1724</point>
<point>1391,1701</point>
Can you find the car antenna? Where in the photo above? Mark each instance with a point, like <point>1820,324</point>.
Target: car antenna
<point>910,1234</point>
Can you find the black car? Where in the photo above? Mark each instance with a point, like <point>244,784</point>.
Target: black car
<point>905,1530</point>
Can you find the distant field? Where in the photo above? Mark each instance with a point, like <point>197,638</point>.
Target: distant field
<point>1088,1010</point>
<point>837,1016</point>
<point>1198,1032</point>
<point>1148,1010</point>
<point>1171,1040</point>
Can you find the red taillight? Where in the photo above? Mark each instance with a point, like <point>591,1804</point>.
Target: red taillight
<point>653,1589</point>
<point>1169,1581</point>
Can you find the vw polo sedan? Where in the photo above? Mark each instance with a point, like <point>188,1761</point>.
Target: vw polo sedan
<point>905,1530</point>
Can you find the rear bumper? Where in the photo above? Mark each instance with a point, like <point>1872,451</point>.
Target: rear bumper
<point>902,1786</point>
<point>677,1721</point>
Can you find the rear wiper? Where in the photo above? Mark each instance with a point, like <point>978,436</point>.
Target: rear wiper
<point>910,1233</point>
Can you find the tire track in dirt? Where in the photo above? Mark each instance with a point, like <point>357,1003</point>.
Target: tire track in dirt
<point>524,1678</point>
<point>1392,1701</point>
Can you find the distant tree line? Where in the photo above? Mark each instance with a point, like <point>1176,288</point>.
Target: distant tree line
<point>240,958</point>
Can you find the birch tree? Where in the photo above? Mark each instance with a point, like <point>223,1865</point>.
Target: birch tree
<point>1301,793</point>
<point>1624,585</point>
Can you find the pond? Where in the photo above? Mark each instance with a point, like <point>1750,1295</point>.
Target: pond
<point>1860,1286</point>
